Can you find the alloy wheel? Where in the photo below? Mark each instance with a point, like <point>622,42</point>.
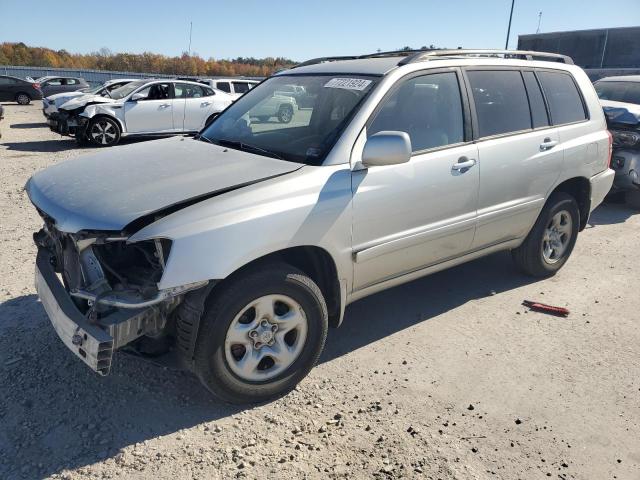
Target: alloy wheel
<point>265,338</point>
<point>103,132</point>
<point>557,236</point>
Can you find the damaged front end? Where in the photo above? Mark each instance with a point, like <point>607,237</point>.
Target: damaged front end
<point>100,291</point>
<point>68,122</point>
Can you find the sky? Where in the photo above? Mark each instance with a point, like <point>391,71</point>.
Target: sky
<point>294,29</point>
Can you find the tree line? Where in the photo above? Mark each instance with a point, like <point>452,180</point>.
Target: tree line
<point>147,62</point>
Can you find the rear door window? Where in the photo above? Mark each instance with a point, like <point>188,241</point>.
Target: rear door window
<point>240,87</point>
<point>224,86</point>
<point>565,102</point>
<point>539,116</point>
<point>501,101</point>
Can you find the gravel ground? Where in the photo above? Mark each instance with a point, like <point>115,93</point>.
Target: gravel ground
<point>445,377</point>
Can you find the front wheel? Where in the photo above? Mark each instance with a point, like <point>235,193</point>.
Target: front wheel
<point>551,240</point>
<point>103,132</point>
<point>261,334</point>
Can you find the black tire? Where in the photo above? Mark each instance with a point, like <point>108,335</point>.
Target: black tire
<point>23,98</point>
<point>285,114</point>
<point>632,198</point>
<point>81,138</point>
<point>107,125</point>
<point>230,300</point>
<point>529,256</point>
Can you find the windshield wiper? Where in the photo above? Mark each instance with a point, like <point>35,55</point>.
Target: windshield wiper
<point>247,147</point>
<point>202,137</point>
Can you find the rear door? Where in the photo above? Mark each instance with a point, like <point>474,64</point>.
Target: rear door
<point>51,87</point>
<point>409,216</point>
<point>153,113</point>
<point>191,107</point>
<point>7,89</point>
<point>519,153</point>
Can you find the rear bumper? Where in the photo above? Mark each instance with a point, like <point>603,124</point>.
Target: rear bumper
<point>600,187</point>
<point>93,343</point>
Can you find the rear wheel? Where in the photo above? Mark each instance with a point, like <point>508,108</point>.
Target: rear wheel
<point>210,120</point>
<point>550,243</point>
<point>261,334</point>
<point>23,98</point>
<point>285,113</point>
<point>103,132</point>
<point>632,198</point>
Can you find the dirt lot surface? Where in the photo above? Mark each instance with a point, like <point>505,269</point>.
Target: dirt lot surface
<point>445,377</point>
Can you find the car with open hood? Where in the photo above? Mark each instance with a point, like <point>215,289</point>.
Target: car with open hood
<point>236,249</point>
<point>620,99</point>
<point>140,108</point>
<point>52,103</point>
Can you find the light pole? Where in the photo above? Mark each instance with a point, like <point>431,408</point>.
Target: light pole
<point>506,44</point>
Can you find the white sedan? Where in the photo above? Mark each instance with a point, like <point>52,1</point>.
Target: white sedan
<point>52,103</point>
<point>142,108</point>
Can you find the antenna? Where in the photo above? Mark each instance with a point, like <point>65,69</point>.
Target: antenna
<point>539,20</point>
<point>184,108</point>
<point>506,44</point>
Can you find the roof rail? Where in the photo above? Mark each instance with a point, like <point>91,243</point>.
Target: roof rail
<point>391,53</point>
<point>520,54</point>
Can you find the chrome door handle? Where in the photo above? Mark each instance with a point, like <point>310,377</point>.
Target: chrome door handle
<point>463,164</point>
<point>548,144</point>
<point>165,105</point>
<point>205,104</point>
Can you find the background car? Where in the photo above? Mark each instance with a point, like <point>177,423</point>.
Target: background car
<point>143,107</point>
<point>52,103</point>
<point>235,87</point>
<point>280,106</point>
<point>620,99</point>
<point>1,117</point>
<point>14,89</point>
<point>51,85</point>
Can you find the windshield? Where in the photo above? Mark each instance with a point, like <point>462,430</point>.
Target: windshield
<point>125,90</point>
<point>302,127</point>
<point>627,92</point>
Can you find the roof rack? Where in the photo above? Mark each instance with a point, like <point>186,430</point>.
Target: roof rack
<point>412,56</point>
<point>392,53</point>
<point>519,54</point>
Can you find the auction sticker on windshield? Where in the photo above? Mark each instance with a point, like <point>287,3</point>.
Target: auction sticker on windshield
<point>348,83</point>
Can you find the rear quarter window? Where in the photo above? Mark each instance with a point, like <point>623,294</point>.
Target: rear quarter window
<point>565,102</point>
<point>500,100</point>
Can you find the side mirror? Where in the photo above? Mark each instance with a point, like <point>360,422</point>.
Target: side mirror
<point>386,148</point>
<point>137,96</point>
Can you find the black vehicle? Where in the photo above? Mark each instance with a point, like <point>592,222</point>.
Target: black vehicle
<point>14,89</point>
<point>620,99</point>
<point>1,117</point>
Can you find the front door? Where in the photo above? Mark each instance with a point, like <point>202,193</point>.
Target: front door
<point>153,113</point>
<point>413,215</point>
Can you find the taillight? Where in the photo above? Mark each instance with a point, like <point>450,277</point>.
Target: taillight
<point>610,148</point>
<point>36,86</point>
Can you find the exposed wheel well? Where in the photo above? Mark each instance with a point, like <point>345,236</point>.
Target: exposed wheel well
<point>580,189</point>
<point>104,115</point>
<point>317,263</point>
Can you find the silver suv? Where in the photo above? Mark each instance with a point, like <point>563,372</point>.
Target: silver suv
<point>237,249</point>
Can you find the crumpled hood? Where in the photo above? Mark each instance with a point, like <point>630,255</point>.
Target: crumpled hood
<point>60,98</point>
<point>621,113</point>
<point>109,190</point>
<point>81,101</point>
